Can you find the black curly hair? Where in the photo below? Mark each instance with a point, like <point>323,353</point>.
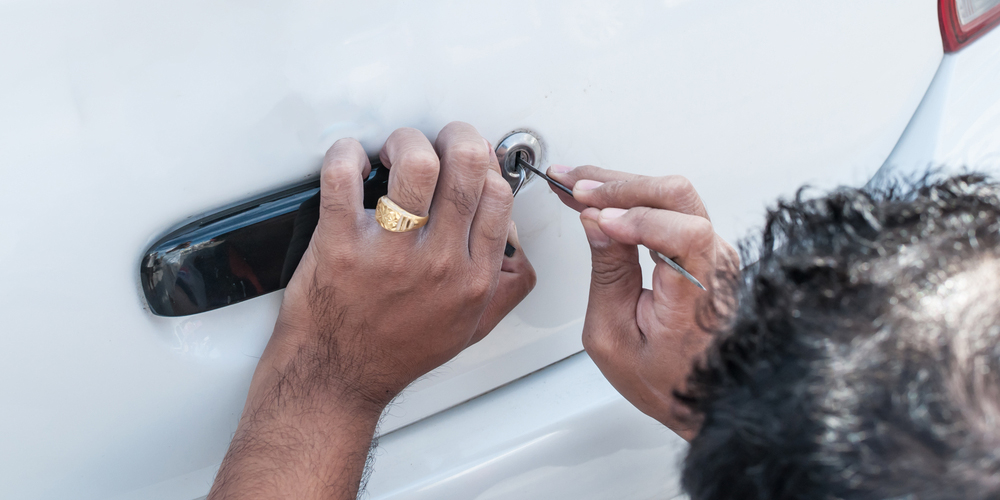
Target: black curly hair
<point>863,359</point>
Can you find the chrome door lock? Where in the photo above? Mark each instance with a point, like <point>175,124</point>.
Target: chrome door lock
<point>523,145</point>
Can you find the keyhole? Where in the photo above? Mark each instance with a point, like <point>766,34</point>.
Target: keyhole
<point>516,147</point>
<point>518,158</point>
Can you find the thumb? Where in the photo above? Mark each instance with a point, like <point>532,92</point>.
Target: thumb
<point>615,285</point>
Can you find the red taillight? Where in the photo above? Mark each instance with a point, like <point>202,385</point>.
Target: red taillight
<point>963,21</point>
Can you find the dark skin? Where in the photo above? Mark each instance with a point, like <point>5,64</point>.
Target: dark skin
<point>342,349</point>
<point>646,341</point>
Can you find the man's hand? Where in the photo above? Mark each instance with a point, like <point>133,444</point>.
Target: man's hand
<point>368,311</point>
<point>646,341</point>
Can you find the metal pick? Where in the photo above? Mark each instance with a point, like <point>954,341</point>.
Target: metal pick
<point>670,262</point>
<point>677,267</point>
<point>555,183</point>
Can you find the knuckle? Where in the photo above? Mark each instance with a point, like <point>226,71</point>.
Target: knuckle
<point>597,344</point>
<point>700,232</point>
<point>586,172</point>
<point>478,286</point>
<point>341,145</point>
<point>419,162</point>
<point>455,125</point>
<point>698,235</point>
<point>641,219</point>
<point>408,131</point>
<point>480,289</point>
<point>607,271</point>
<point>681,192</point>
<point>402,135</point>
<point>659,188</point>
<point>439,270</point>
<point>338,170</point>
<point>469,154</point>
<point>494,239</point>
<point>678,185</point>
<point>496,187</point>
<point>665,188</point>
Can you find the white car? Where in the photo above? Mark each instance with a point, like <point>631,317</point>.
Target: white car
<point>121,120</point>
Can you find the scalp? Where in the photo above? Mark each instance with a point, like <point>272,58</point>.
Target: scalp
<point>862,362</point>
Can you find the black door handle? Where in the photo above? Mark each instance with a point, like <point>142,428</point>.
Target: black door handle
<point>239,252</point>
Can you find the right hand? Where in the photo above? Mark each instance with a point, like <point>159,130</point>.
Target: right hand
<point>647,341</point>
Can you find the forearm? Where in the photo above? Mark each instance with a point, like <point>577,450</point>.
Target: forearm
<point>295,443</point>
<point>311,454</point>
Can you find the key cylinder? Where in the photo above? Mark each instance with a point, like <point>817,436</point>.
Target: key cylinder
<point>522,143</point>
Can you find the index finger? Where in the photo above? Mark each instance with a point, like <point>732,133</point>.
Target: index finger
<point>567,176</point>
<point>341,193</point>
<point>673,192</point>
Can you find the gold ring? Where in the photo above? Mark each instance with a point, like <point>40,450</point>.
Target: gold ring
<point>393,218</point>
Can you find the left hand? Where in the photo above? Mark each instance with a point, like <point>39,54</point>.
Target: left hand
<point>647,341</point>
<point>368,311</point>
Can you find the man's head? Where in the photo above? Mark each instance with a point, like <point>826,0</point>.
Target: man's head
<point>864,360</point>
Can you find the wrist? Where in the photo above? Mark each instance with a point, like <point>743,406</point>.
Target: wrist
<point>297,382</point>
<point>302,372</point>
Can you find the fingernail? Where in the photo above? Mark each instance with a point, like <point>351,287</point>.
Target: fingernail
<point>559,169</point>
<point>612,213</point>
<point>509,250</point>
<point>587,185</point>
<point>488,146</point>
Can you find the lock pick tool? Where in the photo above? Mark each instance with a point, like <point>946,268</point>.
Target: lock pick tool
<point>670,262</point>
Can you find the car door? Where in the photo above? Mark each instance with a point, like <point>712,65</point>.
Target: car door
<point>120,120</point>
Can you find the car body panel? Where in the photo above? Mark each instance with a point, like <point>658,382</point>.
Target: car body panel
<point>562,432</point>
<point>957,125</point>
<point>119,120</point>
